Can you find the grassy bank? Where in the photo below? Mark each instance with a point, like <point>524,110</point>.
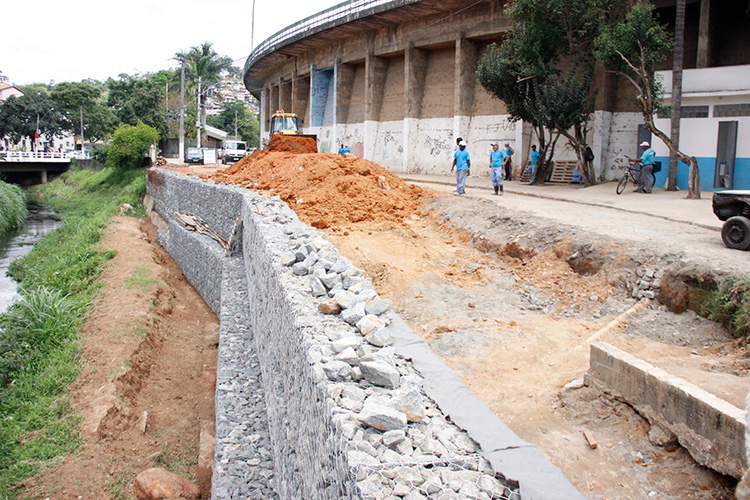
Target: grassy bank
<point>13,212</point>
<point>38,351</point>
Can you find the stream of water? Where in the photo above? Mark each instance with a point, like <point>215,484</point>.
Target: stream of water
<point>42,221</point>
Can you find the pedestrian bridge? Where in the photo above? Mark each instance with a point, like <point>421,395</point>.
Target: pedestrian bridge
<point>33,167</point>
<point>41,156</point>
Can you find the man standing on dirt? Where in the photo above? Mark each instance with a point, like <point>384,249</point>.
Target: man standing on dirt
<point>508,161</point>
<point>646,179</point>
<point>534,167</point>
<point>497,158</point>
<point>462,164</point>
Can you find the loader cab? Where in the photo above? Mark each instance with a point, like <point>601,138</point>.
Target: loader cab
<point>284,123</point>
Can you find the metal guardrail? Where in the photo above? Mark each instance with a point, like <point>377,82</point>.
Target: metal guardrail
<point>328,16</point>
<point>44,156</point>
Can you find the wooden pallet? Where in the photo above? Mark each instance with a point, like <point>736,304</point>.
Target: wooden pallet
<point>563,171</point>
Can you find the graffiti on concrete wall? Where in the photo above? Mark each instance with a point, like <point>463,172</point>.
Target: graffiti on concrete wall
<point>389,146</point>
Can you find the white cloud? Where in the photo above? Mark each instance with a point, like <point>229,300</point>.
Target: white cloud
<point>69,41</point>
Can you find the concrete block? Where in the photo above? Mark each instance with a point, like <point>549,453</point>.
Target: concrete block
<point>711,429</point>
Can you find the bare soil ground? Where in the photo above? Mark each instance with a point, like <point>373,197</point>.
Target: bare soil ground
<point>148,346</point>
<point>515,325</point>
<point>517,330</point>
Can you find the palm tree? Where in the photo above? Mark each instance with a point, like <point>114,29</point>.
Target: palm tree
<point>203,66</point>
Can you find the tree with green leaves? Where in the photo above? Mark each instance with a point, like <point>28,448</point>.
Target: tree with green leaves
<point>634,48</point>
<point>22,117</point>
<point>130,144</point>
<point>137,98</point>
<point>203,68</point>
<point>82,100</point>
<point>237,116</point>
<point>544,70</point>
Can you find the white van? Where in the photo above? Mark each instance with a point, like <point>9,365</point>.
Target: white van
<point>234,150</point>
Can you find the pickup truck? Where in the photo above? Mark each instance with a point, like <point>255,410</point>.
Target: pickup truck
<point>733,207</point>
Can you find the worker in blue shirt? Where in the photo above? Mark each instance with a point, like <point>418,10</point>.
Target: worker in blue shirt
<point>646,179</point>
<point>508,161</point>
<point>344,149</point>
<point>462,164</point>
<point>497,158</point>
<point>534,168</point>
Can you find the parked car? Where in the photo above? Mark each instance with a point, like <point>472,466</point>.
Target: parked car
<point>234,151</point>
<point>194,155</point>
<point>733,207</point>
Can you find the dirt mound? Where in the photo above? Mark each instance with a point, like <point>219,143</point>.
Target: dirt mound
<point>327,190</point>
<point>293,144</point>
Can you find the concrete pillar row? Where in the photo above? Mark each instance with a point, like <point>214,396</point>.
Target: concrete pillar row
<point>375,72</point>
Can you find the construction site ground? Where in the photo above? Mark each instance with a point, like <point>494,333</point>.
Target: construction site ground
<point>513,320</point>
<point>516,330</point>
<point>511,290</point>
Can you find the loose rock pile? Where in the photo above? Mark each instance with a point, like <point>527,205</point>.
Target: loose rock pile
<point>398,441</point>
<point>648,283</point>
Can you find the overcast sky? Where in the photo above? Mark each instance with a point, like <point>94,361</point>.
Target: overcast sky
<point>67,41</point>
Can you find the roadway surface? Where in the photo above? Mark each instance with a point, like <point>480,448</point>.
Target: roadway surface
<point>666,222</point>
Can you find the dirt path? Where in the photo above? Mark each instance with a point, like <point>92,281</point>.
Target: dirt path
<point>516,333</point>
<point>148,346</point>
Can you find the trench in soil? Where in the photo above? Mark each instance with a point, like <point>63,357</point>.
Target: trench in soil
<point>511,303</point>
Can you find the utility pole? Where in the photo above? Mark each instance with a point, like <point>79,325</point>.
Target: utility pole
<point>82,147</point>
<point>198,115</point>
<point>235,125</point>
<point>182,110</point>
<point>166,99</point>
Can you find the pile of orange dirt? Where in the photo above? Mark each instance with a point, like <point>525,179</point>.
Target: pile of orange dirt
<point>326,190</point>
<point>293,143</point>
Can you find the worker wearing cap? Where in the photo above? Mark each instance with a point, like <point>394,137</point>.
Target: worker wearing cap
<point>497,158</point>
<point>344,149</point>
<point>508,161</point>
<point>646,179</point>
<point>462,164</point>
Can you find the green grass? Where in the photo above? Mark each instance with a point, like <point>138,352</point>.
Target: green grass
<point>38,349</point>
<point>729,304</point>
<point>13,211</point>
<point>141,279</point>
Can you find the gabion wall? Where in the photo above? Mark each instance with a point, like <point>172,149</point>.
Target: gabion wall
<point>322,402</point>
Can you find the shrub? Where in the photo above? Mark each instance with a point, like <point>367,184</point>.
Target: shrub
<point>130,144</point>
<point>13,211</point>
<point>730,305</point>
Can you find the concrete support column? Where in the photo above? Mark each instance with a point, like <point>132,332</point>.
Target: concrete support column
<point>344,84</point>
<point>285,95</point>
<point>375,73</point>
<point>415,69</point>
<point>704,36</point>
<point>335,106</point>
<point>301,99</point>
<point>464,75</point>
<point>264,114</point>
<point>44,177</point>
<point>274,100</point>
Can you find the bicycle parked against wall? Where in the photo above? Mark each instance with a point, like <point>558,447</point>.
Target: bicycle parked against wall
<point>632,174</point>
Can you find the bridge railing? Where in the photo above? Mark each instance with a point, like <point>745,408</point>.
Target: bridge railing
<point>42,156</point>
<point>343,11</point>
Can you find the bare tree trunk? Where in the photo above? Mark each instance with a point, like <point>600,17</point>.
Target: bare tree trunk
<point>694,183</point>
<point>679,50</point>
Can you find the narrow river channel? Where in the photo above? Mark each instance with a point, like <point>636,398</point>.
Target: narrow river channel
<point>42,221</point>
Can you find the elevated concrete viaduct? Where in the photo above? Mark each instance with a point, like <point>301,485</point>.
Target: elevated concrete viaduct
<point>395,80</point>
